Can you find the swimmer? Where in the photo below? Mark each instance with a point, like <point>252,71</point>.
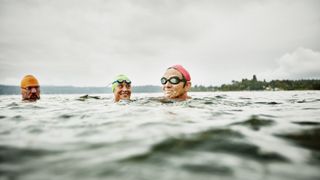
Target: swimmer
<point>176,82</point>
<point>121,88</point>
<point>30,89</point>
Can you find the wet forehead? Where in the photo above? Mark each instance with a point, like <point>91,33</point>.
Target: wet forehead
<point>172,72</point>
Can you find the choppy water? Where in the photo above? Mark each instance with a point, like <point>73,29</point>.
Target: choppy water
<point>220,135</point>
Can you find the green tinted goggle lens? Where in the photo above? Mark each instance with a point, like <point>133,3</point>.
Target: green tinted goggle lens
<point>172,80</point>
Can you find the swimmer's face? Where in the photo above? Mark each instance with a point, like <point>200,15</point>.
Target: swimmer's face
<point>122,92</point>
<point>30,93</point>
<point>175,91</point>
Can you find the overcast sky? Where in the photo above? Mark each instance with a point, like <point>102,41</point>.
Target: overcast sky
<point>88,42</point>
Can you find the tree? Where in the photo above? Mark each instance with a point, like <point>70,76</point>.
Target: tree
<point>254,78</point>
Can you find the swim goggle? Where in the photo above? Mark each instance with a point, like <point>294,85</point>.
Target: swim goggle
<point>122,81</point>
<point>172,80</point>
<point>29,88</point>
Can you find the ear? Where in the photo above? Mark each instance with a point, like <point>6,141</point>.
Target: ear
<point>188,86</point>
<point>22,91</point>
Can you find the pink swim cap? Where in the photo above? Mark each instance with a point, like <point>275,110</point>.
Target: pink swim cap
<point>182,70</point>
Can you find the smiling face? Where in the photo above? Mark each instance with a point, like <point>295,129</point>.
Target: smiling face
<point>30,93</point>
<point>122,91</point>
<point>175,91</point>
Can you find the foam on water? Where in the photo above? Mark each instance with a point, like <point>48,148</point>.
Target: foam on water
<point>223,135</point>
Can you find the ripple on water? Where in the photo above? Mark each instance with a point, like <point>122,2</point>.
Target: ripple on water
<point>208,102</point>
<point>268,103</point>
<point>307,123</point>
<point>5,132</point>
<point>245,98</point>
<point>212,168</point>
<point>9,154</point>
<point>310,108</point>
<point>17,117</point>
<point>13,104</point>
<point>66,116</point>
<point>267,115</point>
<point>12,160</point>
<point>212,141</point>
<point>34,129</point>
<point>87,133</point>
<point>302,101</point>
<point>220,96</point>
<point>308,139</point>
<point>255,123</point>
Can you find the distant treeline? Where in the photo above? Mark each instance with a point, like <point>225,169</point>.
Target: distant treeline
<point>254,84</point>
<point>11,90</point>
<point>243,85</point>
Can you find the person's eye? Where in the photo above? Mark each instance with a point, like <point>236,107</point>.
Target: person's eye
<point>163,80</point>
<point>174,80</point>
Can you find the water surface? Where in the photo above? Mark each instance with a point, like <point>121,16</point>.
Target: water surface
<point>217,135</point>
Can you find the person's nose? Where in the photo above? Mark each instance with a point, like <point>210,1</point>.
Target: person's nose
<point>124,88</point>
<point>33,90</point>
<point>168,84</point>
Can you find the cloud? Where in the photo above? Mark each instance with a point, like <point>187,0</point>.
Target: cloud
<point>302,63</point>
<point>77,42</point>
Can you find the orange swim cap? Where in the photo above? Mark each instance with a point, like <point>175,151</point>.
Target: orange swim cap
<point>29,80</point>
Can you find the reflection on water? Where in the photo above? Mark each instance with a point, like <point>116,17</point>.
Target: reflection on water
<point>222,135</point>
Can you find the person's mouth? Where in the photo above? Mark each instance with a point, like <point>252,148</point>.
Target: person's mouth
<point>34,97</point>
<point>168,93</point>
<point>124,94</point>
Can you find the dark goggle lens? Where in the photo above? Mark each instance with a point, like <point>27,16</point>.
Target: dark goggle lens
<point>121,81</point>
<point>172,80</point>
<point>31,87</point>
<point>163,80</point>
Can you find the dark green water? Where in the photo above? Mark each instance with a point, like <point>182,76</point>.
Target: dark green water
<point>233,135</point>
